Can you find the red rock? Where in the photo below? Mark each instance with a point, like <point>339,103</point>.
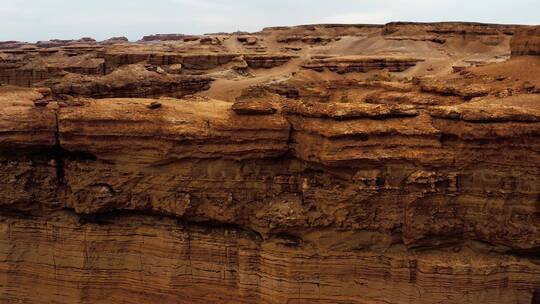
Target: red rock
<point>288,185</point>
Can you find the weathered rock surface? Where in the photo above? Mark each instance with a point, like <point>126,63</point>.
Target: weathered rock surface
<point>143,258</point>
<point>453,28</point>
<point>253,108</point>
<point>167,37</point>
<point>360,64</point>
<point>526,42</point>
<point>266,61</point>
<point>115,60</point>
<point>113,40</point>
<point>130,81</point>
<point>383,178</point>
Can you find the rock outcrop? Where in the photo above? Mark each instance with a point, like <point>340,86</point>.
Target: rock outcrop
<point>130,81</point>
<point>113,40</point>
<point>453,28</point>
<point>266,61</point>
<point>526,42</point>
<point>202,264</point>
<point>168,37</point>
<point>188,172</point>
<point>361,64</point>
<point>190,61</point>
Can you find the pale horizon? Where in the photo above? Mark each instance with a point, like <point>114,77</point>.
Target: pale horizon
<point>34,20</point>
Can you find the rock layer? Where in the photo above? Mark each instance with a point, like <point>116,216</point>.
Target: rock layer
<point>361,64</point>
<point>142,258</point>
<point>325,177</point>
<point>526,42</point>
<point>130,81</point>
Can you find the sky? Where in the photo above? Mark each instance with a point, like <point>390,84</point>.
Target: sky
<point>33,20</point>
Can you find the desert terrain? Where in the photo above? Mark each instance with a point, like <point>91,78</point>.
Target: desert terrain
<point>332,163</point>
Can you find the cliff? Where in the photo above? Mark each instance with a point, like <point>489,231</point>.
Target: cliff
<point>386,180</point>
<point>526,42</point>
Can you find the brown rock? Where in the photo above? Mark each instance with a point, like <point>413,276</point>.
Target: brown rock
<point>253,108</point>
<point>526,42</point>
<point>248,40</point>
<point>41,103</point>
<point>267,61</point>
<point>210,41</point>
<point>350,64</point>
<point>46,92</point>
<point>372,181</point>
<point>116,40</point>
<point>131,81</point>
<point>464,90</point>
<point>154,105</point>
<point>165,37</point>
<point>175,68</point>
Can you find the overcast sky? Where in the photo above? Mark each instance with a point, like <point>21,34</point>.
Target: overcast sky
<point>31,20</point>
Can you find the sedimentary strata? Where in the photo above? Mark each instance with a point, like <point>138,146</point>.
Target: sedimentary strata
<point>526,42</point>
<point>184,172</point>
<point>350,64</point>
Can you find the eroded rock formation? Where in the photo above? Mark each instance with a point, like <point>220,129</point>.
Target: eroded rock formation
<point>350,64</point>
<point>262,178</point>
<point>526,42</point>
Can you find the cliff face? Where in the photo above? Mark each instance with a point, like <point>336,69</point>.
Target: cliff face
<point>282,185</point>
<point>526,42</point>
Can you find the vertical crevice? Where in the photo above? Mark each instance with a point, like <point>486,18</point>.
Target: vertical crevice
<point>290,138</point>
<point>413,267</point>
<point>58,154</point>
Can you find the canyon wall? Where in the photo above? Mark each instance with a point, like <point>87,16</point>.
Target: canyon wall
<point>526,42</point>
<point>306,175</point>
